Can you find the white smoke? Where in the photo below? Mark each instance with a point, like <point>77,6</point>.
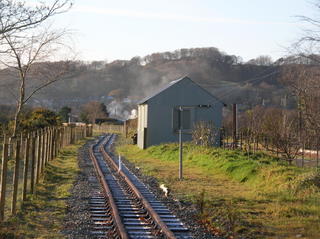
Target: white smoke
<point>134,114</point>
<point>122,110</point>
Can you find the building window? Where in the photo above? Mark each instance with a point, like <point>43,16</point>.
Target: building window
<point>181,119</point>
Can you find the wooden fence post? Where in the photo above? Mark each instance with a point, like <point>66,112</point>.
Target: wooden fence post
<point>89,130</point>
<point>33,162</point>
<point>43,150</point>
<point>16,177</point>
<point>38,165</point>
<point>4,168</point>
<point>67,135</point>
<point>75,132</point>
<point>56,140</point>
<point>26,167</point>
<point>63,136</point>
<point>48,132</point>
<point>71,135</point>
<point>60,139</point>
<point>53,143</point>
<point>75,135</point>
<point>47,146</point>
<point>125,129</point>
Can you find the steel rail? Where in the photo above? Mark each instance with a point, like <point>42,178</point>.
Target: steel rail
<point>107,192</point>
<point>163,227</point>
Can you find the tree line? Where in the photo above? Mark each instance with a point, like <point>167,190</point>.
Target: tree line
<point>288,132</point>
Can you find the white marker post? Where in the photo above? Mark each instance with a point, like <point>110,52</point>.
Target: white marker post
<point>119,163</point>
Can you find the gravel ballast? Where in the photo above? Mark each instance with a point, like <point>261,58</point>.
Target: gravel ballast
<point>78,222</point>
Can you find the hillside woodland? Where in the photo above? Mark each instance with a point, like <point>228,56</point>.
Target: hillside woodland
<point>120,84</point>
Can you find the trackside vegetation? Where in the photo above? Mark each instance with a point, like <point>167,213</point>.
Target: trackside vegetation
<point>237,195</point>
<point>43,214</point>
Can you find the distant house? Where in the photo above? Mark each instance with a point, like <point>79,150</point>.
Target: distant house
<point>180,104</point>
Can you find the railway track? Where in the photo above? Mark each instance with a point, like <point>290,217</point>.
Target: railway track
<point>125,207</point>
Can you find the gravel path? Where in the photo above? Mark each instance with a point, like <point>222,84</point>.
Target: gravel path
<point>77,223</point>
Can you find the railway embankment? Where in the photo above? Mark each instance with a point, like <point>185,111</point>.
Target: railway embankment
<point>235,194</point>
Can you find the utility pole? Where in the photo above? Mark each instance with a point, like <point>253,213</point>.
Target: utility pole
<point>180,143</point>
<point>235,125</point>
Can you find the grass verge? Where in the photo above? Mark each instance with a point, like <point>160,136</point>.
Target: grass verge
<point>42,215</point>
<point>257,196</point>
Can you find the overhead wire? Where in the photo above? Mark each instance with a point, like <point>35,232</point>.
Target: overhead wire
<point>252,80</point>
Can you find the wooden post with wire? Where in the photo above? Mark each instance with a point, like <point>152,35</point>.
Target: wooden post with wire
<point>38,164</point>
<point>4,173</point>
<point>26,167</point>
<point>43,150</point>
<point>16,175</point>
<point>33,162</point>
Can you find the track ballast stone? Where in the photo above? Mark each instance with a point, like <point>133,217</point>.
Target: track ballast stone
<point>78,221</point>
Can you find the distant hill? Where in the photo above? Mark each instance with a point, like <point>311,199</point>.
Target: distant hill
<point>226,76</point>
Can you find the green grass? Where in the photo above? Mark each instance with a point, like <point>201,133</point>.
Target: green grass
<point>43,214</point>
<point>255,195</point>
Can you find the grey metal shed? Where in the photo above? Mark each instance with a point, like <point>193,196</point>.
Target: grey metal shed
<point>159,117</point>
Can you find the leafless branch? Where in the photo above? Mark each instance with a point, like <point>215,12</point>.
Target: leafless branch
<point>18,16</point>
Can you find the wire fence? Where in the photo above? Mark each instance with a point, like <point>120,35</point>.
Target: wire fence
<point>25,158</point>
<point>98,129</point>
<point>302,153</point>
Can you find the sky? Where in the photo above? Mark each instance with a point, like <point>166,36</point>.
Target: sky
<point>121,29</point>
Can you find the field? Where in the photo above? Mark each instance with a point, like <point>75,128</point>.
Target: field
<point>252,196</point>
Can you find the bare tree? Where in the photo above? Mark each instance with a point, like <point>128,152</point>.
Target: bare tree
<point>22,47</point>
<point>18,15</point>
<point>281,126</point>
<point>302,76</point>
<point>307,48</point>
<point>251,126</point>
<point>25,55</point>
<point>262,60</point>
<point>94,110</point>
<point>304,82</point>
<point>204,133</point>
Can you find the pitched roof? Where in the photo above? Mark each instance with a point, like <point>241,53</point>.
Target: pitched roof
<point>144,100</point>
